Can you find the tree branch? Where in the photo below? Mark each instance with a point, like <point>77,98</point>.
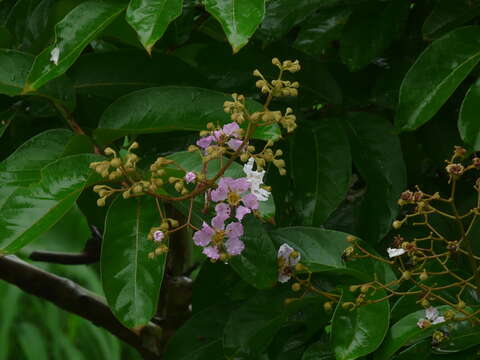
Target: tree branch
<point>71,297</point>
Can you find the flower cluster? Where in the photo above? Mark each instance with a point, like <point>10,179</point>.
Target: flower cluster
<point>173,178</point>
<point>234,199</point>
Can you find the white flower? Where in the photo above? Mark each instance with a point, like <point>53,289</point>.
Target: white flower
<point>286,262</point>
<point>431,318</point>
<point>54,55</point>
<point>392,252</point>
<point>255,178</point>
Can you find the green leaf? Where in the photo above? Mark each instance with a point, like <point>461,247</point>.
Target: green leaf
<point>200,338</point>
<point>321,250</point>
<point>169,108</point>
<point>419,350</point>
<point>252,326</point>
<point>436,74</point>
<point>29,212</point>
<point>218,283</point>
<point>131,280</point>
<point>321,169</point>
<point>72,35</point>
<point>317,33</point>
<point>359,332</point>
<point>468,124</point>
<point>282,15</point>
<point>150,18</point>
<point>462,335</point>
<point>318,351</point>
<point>115,73</point>
<point>239,18</point>
<point>22,168</point>
<point>446,15</point>
<point>257,264</point>
<point>378,157</point>
<point>14,67</point>
<point>405,331</point>
<point>365,37</point>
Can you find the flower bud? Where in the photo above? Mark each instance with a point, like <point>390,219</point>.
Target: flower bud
<point>449,314</point>
<point>109,151</point>
<point>397,224</point>
<point>425,303</point>
<point>406,275</point>
<point>328,306</point>
<point>423,276</point>
<point>101,202</point>
<point>116,162</point>
<point>351,238</point>
<point>460,305</point>
<point>296,287</point>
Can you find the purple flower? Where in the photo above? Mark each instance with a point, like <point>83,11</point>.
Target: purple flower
<point>205,141</point>
<point>158,236</point>
<point>231,190</point>
<point>231,129</point>
<point>432,317</point>
<point>241,212</point>
<point>212,252</point>
<point>220,239</point>
<point>222,214</point>
<point>234,144</point>
<point>190,177</point>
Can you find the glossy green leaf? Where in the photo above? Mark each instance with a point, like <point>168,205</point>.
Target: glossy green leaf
<point>447,14</point>
<point>150,18</point>
<point>252,326</point>
<point>169,108</point>
<point>436,74</point>
<point>239,19</point>
<point>282,15</point>
<point>115,73</point>
<point>29,212</point>
<point>22,168</point>
<point>461,336</point>
<point>468,124</point>
<point>419,350</point>
<point>405,331</point>
<point>321,167</point>
<point>359,332</point>
<point>321,250</point>
<point>31,23</point>
<point>257,264</point>
<point>200,338</point>
<point>317,34</point>
<point>365,37</point>
<point>72,35</point>
<point>218,283</point>
<point>14,67</point>
<point>131,280</point>
<point>318,351</point>
<point>378,158</point>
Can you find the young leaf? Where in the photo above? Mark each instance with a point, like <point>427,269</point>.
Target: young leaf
<point>239,19</point>
<point>169,108</point>
<point>150,18</point>
<point>72,35</point>
<point>468,124</point>
<point>257,264</point>
<point>378,157</point>
<point>321,169</point>
<point>359,332</point>
<point>29,212</point>
<point>131,280</point>
<point>365,37</point>
<point>436,74</point>
<point>200,338</point>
